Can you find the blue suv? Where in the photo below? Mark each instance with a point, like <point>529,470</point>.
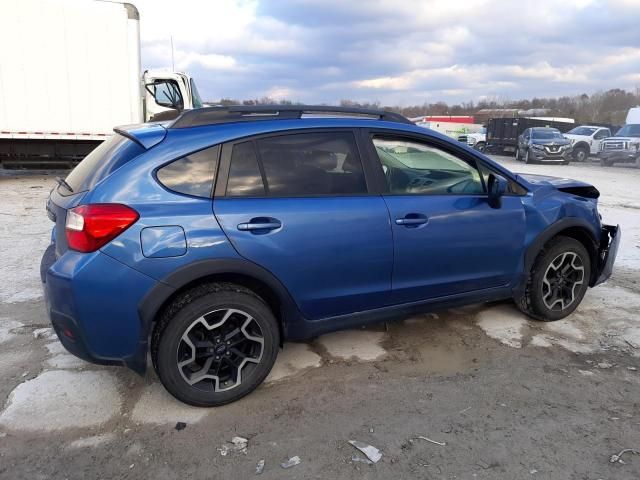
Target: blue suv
<point>210,240</point>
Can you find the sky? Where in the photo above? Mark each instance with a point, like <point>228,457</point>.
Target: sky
<point>396,52</point>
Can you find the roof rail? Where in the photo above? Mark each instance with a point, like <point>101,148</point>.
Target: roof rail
<point>250,113</point>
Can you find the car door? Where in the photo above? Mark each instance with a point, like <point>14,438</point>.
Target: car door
<point>597,139</point>
<point>448,240</point>
<point>298,204</point>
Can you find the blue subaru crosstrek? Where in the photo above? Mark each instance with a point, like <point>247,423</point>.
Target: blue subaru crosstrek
<point>210,240</point>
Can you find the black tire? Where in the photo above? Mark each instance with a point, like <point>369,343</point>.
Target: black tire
<point>581,154</point>
<point>183,314</point>
<point>527,157</point>
<point>518,158</point>
<point>533,301</point>
<point>480,146</point>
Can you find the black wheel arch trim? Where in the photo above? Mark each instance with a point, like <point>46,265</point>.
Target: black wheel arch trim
<point>532,251</point>
<point>154,300</point>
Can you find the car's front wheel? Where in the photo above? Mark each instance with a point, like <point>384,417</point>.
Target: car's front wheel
<point>215,344</point>
<point>558,280</point>
<point>527,157</point>
<point>518,158</point>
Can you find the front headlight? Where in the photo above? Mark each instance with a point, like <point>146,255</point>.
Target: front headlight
<point>537,147</point>
<point>566,147</point>
<point>471,140</point>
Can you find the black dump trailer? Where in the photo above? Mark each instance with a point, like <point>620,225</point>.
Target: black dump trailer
<point>503,133</point>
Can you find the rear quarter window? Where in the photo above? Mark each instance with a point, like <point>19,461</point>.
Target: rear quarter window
<point>193,174</point>
<point>101,162</point>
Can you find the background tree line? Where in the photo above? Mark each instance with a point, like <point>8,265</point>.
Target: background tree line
<point>603,107</point>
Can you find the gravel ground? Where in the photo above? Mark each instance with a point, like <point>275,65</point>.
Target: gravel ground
<point>504,396</point>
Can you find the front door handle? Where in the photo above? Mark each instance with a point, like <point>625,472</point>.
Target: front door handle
<point>412,220</point>
<point>259,225</point>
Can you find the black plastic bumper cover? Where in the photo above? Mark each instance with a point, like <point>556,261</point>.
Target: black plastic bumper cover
<point>609,242</point>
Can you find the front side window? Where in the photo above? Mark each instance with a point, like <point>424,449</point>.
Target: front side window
<point>312,164</point>
<point>586,131</point>
<point>193,174</point>
<point>415,168</point>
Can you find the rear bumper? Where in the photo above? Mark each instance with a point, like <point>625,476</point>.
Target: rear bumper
<point>92,302</point>
<point>609,242</point>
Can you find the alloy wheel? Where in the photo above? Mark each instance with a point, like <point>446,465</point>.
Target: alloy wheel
<point>563,277</point>
<point>218,348</point>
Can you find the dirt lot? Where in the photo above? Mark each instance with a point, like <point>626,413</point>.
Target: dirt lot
<point>505,396</point>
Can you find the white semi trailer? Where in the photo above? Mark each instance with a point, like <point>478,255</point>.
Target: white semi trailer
<point>69,72</point>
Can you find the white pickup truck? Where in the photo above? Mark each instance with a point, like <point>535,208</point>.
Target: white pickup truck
<point>476,140</point>
<point>624,146</point>
<point>586,140</point>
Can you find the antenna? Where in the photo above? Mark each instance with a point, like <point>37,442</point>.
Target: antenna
<point>173,66</point>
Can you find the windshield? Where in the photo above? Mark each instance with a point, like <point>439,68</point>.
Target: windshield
<point>629,131</point>
<point>545,134</point>
<point>588,131</point>
<point>197,101</point>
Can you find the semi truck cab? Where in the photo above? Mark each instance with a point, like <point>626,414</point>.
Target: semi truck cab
<point>165,94</point>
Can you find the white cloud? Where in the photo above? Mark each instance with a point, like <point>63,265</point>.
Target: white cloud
<point>395,51</point>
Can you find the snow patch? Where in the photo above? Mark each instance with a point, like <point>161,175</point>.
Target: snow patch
<point>92,442</point>
<point>293,358</point>
<point>504,324</point>
<point>6,329</point>
<point>566,328</point>
<point>541,340</point>
<point>66,360</point>
<point>56,348</point>
<point>354,344</point>
<point>157,406</point>
<point>59,399</point>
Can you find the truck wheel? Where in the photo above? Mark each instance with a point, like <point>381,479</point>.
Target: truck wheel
<point>581,154</point>
<point>215,344</point>
<point>480,146</point>
<point>558,280</point>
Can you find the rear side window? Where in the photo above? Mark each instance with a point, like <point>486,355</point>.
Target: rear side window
<point>101,162</point>
<point>312,164</point>
<point>193,174</point>
<point>245,179</point>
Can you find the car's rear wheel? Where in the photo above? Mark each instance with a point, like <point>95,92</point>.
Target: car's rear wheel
<point>558,280</point>
<point>215,344</point>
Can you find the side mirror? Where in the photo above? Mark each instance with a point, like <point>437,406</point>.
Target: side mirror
<point>497,186</point>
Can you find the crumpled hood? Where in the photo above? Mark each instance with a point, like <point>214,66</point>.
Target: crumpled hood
<point>567,185</point>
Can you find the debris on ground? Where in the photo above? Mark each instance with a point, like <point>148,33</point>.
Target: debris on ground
<point>465,410</point>
<point>292,462</point>
<point>371,452</point>
<point>605,365</point>
<point>618,458</point>
<point>260,467</point>
<point>181,426</point>
<point>442,444</point>
<point>43,333</point>
<point>356,458</point>
<point>237,444</point>
<point>632,369</point>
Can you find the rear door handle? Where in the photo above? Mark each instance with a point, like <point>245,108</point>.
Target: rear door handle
<point>260,224</point>
<point>412,220</point>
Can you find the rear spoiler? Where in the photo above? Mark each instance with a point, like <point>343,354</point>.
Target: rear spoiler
<point>146,135</point>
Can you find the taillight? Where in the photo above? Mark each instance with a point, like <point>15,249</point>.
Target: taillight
<point>89,227</point>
